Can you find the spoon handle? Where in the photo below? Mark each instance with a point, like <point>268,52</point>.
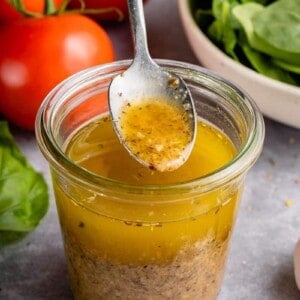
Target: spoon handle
<point>138,29</point>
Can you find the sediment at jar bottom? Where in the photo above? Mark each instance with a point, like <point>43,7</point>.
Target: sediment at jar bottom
<point>195,273</point>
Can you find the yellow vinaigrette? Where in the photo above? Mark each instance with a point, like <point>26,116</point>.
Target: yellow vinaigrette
<point>97,148</point>
<point>144,244</point>
<point>156,131</point>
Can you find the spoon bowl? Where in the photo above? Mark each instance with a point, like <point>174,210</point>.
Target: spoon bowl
<point>145,80</point>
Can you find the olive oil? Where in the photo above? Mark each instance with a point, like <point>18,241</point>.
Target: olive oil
<point>145,244</point>
<point>97,148</point>
<point>156,131</point>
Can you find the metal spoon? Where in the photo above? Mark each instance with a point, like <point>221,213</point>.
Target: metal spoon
<point>145,80</point>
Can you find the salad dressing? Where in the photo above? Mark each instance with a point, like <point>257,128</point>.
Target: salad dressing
<point>156,131</point>
<point>124,244</point>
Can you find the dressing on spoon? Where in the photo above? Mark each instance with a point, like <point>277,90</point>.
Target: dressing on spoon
<point>152,110</point>
<point>156,131</point>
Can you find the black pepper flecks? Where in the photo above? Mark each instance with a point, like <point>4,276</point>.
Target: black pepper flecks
<point>81,224</point>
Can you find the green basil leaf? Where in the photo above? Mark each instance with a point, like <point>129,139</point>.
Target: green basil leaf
<point>277,27</point>
<point>23,191</point>
<point>264,65</point>
<point>273,30</point>
<point>223,29</point>
<point>286,66</point>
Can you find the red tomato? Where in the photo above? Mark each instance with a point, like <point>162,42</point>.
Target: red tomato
<point>8,13</point>
<point>119,9</point>
<point>91,108</point>
<point>37,53</point>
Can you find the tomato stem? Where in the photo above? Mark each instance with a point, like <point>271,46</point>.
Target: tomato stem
<point>63,7</point>
<point>19,6</point>
<point>50,8</point>
<point>95,11</point>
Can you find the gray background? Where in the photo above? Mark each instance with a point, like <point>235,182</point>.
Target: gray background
<point>260,264</point>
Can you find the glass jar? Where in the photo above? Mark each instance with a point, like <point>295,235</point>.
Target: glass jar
<point>141,241</point>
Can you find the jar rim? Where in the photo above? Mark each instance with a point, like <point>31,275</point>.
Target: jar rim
<point>242,161</point>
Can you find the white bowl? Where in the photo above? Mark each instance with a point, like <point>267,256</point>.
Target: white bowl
<point>277,100</point>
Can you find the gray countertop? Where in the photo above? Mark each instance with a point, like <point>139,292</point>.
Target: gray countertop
<point>260,264</point>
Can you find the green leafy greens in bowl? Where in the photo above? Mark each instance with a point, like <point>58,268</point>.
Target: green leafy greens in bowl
<point>263,35</point>
<point>23,191</point>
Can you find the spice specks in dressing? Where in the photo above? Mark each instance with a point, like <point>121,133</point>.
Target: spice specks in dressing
<point>156,131</point>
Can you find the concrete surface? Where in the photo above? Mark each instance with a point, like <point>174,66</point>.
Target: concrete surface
<point>260,264</point>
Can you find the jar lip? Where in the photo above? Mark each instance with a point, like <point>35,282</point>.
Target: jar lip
<point>244,159</point>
